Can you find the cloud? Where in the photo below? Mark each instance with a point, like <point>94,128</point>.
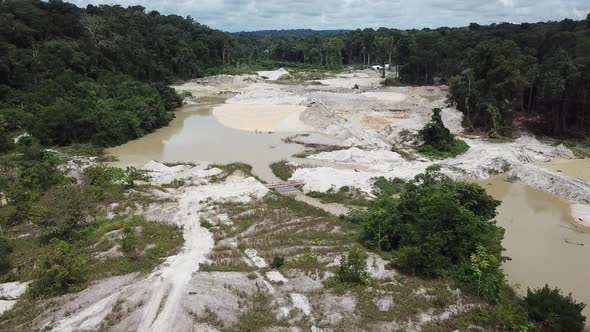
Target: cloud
<point>246,15</point>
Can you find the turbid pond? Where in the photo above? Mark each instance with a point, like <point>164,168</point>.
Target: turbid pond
<point>195,135</point>
<point>545,244</point>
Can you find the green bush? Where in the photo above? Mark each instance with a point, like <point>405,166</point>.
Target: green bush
<point>277,262</point>
<point>550,309</point>
<point>439,143</point>
<point>460,212</point>
<point>37,167</point>
<point>130,242</point>
<point>58,271</point>
<point>506,315</point>
<point>104,176</point>
<point>353,267</point>
<point>64,211</point>
<point>282,170</point>
<point>5,250</point>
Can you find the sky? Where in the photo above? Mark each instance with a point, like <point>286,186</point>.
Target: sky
<point>249,15</point>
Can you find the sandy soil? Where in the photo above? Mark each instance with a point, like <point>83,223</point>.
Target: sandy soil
<point>162,293</point>
<point>262,117</point>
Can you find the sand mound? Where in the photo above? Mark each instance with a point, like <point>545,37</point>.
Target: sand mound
<point>274,75</point>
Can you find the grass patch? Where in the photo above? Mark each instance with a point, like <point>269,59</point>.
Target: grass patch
<point>282,170</point>
<point>345,195</point>
<point>229,169</point>
<point>456,148</point>
<point>258,315</point>
<point>580,148</point>
<point>154,242</point>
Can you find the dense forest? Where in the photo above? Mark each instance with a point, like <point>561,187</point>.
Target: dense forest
<point>539,73</point>
<point>100,74</point>
<point>96,75</point>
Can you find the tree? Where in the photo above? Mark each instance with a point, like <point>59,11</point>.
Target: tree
<point>550,309</point>
<point>438,140</point>
<point>487,269</point>
<point>353,267</point>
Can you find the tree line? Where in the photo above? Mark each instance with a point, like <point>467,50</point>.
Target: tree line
<point>100,74</point>
<point>538,73</point>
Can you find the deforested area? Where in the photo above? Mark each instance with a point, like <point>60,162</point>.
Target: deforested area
<point>158,173</point>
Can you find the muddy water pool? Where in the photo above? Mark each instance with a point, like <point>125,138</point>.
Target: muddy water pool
<point>542,239</point>
<point>195,135</point>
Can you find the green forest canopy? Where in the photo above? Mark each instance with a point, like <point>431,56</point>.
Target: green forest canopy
<point>58,61</point>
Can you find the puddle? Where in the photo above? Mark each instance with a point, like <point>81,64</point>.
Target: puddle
<point>538,228</point>
<point>195,135</point>
<point>578,168</point>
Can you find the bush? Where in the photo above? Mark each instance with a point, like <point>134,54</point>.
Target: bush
<point>277,262</point>
<point>282,170</point>
<point>506,316</point>
<point>130,242</point>
<point>38,168</point>
<point>5,250</point>
<point>460,212</point>
<point>105,176</point>
<point>64,211</point>
<point>550,309</point>
<point>353,267</point>
<point>6,142</point>
<point>58,271</point>
<point>438,141</point>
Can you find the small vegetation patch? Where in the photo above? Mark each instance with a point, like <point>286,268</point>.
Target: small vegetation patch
<point>344,195</point>
<point>439,143</point>
<point>259,314</point>
<point>282,170</point>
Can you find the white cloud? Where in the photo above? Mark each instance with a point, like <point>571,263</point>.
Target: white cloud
<point>238,15</point>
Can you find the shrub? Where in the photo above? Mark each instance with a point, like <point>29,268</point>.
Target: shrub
<point>130,242</point>
<point>282,170</point>
<point>277,262</point>
<point>5,250</point>
<point>58,271</point>
<point>64,211</point>
<point>550,309</point>
<point>438,141</point>
<point>505,316</point>
<point>105,176</point>
<point>353,267</point>
<point>460,212</point>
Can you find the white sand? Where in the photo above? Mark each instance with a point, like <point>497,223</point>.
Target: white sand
<point>258,261</point>
<point>261,117</point>
<point>301,302</point>
<point>9,293</point>
<point>276,277</point>
<point>274,75</point>
<point>163,303</point>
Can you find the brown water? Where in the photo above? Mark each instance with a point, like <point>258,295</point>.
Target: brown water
<point>538,228</point>
<point>196,136</point>
<point>578,168</point>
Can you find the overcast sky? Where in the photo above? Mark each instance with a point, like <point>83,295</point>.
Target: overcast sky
<point>247,15</point>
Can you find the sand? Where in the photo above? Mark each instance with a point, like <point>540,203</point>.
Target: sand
<point>275,118</point>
